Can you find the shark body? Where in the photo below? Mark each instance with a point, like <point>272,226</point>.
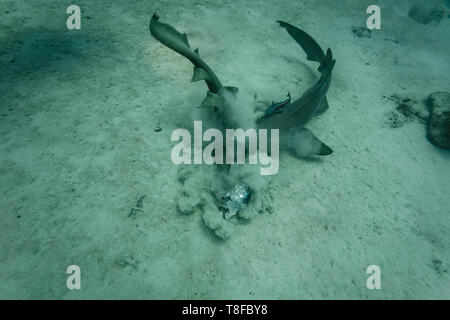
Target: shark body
<point>285,115</point>
<point>178,42</point>
<point>298,113</point>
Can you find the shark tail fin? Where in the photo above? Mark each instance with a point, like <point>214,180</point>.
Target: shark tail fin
<point>312,49</point>
<point>177,41</point>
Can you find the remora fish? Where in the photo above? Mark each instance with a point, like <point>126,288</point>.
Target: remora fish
<point>299,112</point>
<point>278,106</point>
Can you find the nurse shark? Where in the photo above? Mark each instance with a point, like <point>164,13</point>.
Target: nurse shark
<point>289,117</point>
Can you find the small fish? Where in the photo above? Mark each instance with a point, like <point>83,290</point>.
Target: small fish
<point>278,106</point>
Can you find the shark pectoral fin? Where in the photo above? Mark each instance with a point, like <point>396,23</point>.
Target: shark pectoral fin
<point>325,150</point>
<point>232,90</point>
<point>211,100</point>
<point>304,144</point>
<point>196,52</point>
<point>200,74</point>
<point>320,148</point>
<point>160,30</point>
<point>323,106</point>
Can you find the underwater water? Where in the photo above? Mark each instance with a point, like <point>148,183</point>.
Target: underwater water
<point>87,176</point>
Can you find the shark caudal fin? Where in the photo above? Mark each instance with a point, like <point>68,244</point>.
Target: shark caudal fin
<point>312,49</point>
<point>327,64</point>
<point>168,35</point>
<point>173,39</point>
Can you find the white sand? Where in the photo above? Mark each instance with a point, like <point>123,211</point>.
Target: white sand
<point>77,117</point>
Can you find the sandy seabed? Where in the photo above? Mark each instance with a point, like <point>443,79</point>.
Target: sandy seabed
<point>80,119</point>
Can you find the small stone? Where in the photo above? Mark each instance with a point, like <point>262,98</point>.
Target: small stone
<point>439,123</point>
<point>425,15</point>
<point>362,32</point>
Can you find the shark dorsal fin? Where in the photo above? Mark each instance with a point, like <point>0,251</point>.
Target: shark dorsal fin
<point>185,40</point>
<point>200,74</point>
